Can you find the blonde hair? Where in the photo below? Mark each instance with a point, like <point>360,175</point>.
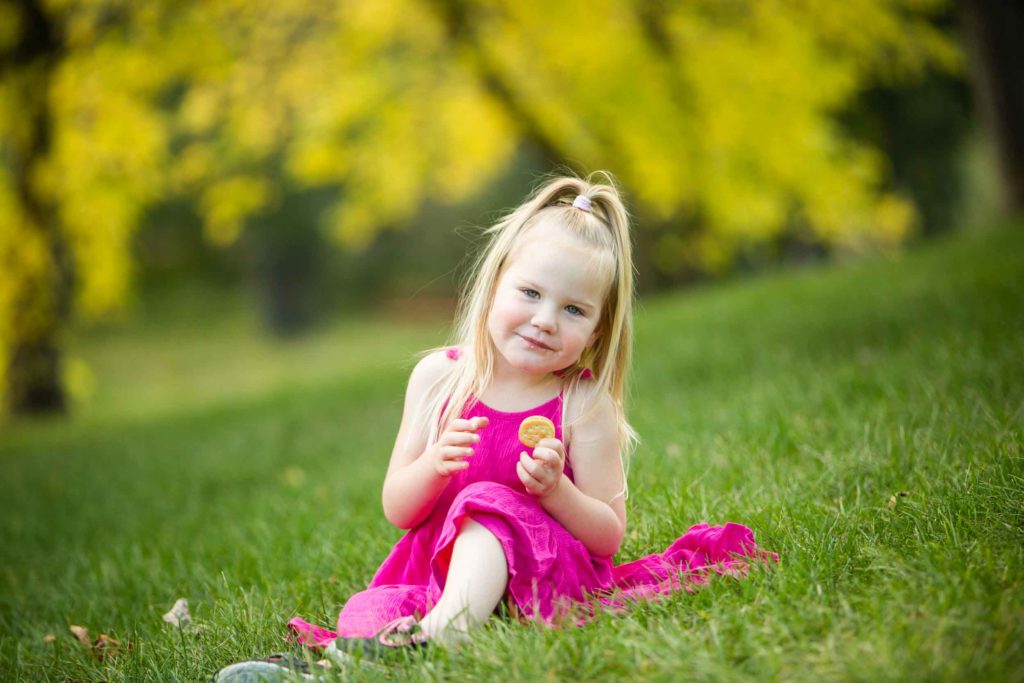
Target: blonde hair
<point>605,228</point>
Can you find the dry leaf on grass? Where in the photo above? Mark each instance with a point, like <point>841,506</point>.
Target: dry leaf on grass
<point>103,647</point>
<point>894,500</point>
<point>82,634</point>
<point>179,616</point>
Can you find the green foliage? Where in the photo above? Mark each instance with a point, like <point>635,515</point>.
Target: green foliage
<point>717,117</point>
<point>801,405</point>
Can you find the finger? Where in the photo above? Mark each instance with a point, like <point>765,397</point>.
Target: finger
<point>532,467</point>
<point>460,425</point>
<point>464,425</point>
<point>552,444</point>
<point>529,482</point>
<point>454,452</point>
<point>459,438</point>
<point>553,465</point>
<point>523,475</point>
<point>546,456</point>
<point>453,466</point>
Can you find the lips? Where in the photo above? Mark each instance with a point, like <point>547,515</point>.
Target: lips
<point>535,343</point>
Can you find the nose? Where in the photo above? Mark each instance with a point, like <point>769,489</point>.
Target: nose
<point>544,319</point>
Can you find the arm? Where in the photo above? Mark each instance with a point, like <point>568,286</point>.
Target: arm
<point>417,474</point>
<point>591,509</point>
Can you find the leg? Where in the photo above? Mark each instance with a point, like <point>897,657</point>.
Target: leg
<point>476,581</point>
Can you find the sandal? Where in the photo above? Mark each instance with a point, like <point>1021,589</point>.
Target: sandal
<point>398,638</point>
<point>276,667</point>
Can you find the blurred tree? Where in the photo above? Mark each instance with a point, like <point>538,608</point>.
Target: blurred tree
<point>291,122</point>
<point>82,148</point>
<point>995,30</point>
<point>719,117</point>
<point>363,99</point>
<point>36,284</point>
<point>923,128</point>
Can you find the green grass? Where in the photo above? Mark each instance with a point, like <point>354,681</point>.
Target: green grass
<point>865,421</point>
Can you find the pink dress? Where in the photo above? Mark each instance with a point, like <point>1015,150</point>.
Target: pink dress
<point>551,574</point>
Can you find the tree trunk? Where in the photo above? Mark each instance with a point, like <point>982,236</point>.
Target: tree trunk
<point>994,30</point>
<point>43,304</point>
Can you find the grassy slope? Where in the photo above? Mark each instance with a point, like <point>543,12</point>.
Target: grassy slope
<point>800,405</point>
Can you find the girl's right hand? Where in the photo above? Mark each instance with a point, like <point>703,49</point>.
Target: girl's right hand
<point>455,444</point>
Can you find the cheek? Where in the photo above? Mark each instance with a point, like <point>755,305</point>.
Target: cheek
<point>581,335</point>
<point>502,315</point>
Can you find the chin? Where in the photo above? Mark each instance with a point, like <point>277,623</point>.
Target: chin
<point>527,363</point>
<point>535,368</point>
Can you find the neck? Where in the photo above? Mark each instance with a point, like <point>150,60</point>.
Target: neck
<point>509,379</point>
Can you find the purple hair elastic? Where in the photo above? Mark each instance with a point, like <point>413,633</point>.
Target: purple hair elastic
<point>582,202</point>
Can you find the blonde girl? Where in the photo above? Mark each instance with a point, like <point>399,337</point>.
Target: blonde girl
<point>544,329</point>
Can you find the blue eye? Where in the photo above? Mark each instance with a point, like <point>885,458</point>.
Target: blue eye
<point>532,293</point>
<point>575,310</point>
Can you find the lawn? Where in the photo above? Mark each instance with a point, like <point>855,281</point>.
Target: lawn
<point>864,420</point>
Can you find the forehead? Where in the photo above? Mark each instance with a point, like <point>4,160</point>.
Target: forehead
<point>562,262</point>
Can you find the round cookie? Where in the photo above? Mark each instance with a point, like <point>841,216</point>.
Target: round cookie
<point>535,428</point>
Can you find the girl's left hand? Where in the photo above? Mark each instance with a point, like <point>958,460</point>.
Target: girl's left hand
<point>541,473</point>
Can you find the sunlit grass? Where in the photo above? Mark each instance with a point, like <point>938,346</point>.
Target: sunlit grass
<point>191,347</point>
<point>864,421</point>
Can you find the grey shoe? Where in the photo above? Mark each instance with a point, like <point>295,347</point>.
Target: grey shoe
<point>280,667</point>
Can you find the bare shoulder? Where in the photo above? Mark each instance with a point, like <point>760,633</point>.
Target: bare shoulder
<point>428,371</point>
<point>424,378</point>
<point>592,409</point>
<point>430,368</point>
<point>592,416</point>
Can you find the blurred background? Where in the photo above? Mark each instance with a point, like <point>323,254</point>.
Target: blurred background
<point>220,196</point>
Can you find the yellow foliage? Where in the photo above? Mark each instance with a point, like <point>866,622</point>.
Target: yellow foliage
<point>717,113</point>
<point>10,26</point>
<point>226,203</point>
<point>25,292</point>
<point>201,109</point>
<point>472,139</point>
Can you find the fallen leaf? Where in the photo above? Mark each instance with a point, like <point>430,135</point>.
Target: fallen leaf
<point>103,647</point>
<point>49,638</point>
<point>179,616</point>
<point>82,634</point>
<point>894,499</point>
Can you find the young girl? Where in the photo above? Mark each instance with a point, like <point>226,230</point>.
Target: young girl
<point>544,329</point>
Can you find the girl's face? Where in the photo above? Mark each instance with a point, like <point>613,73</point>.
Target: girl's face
<point>547,304</point>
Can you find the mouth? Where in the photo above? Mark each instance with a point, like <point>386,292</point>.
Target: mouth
<point>535,343</point>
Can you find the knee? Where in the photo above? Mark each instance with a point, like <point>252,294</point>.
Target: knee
<point>479,541</point>
<point>471,527</point>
